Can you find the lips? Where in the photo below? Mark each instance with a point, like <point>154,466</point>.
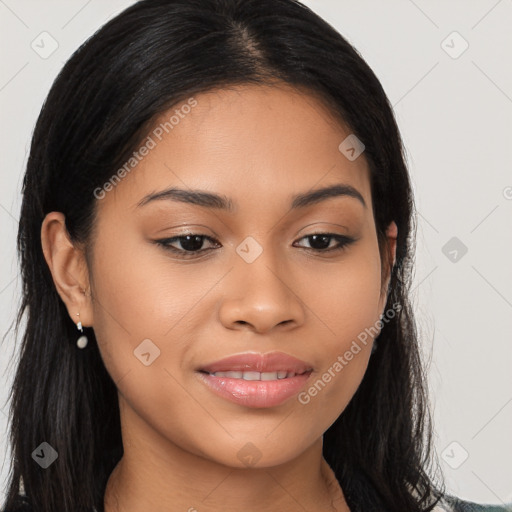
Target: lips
<point>251,363</point>
<point>256,380</point>
<point>255,375</point>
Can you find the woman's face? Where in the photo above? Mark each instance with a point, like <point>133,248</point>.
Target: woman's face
<point>252,282</point>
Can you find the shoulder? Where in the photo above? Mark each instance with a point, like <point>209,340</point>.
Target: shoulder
<point>453,504</point>
<point>357,488</point>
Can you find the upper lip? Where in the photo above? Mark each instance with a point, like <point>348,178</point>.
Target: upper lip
<point>251,361</point>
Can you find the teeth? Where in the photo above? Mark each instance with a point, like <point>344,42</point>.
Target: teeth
<point>251,376</point>
<point>231,375</point>
<point>255,375</point>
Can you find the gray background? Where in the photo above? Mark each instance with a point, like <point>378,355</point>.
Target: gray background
<point>454,109</point>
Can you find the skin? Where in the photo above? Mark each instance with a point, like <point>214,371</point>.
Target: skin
<point>258,145</point>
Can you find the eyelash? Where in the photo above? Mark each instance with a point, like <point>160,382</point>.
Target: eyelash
<point>343,243</point>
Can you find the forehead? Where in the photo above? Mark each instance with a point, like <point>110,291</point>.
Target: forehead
<point>247,142</point>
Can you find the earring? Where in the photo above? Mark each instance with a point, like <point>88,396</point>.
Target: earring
<point>82,341</point>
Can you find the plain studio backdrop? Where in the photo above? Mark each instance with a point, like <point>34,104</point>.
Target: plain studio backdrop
<point>446,68</point>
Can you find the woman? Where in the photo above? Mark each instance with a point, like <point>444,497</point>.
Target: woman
<point>216,195</point>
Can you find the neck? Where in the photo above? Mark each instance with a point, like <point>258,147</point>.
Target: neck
<point>155,474</point>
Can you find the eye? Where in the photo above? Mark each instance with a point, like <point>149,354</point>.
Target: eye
<point>321,241</point>
<point>192,243</point>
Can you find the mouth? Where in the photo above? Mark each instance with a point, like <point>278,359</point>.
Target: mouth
<point>257,366</point>
<point>250,375</point>
<point>256,380</point>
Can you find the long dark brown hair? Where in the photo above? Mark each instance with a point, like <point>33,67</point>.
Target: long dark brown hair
<point>145,60</point>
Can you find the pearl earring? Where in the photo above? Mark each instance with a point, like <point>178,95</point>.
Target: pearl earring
<point>82,341</point>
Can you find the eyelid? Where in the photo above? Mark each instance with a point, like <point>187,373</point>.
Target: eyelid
<point>343,241</point>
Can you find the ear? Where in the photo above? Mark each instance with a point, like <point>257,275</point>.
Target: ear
<point>389,259</point>
<point>68,268</point>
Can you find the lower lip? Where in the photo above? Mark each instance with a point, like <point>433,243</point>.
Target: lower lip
<point>255,393</point>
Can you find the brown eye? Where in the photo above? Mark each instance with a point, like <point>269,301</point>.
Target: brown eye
<point>191,243</point>
<point>320,242</point>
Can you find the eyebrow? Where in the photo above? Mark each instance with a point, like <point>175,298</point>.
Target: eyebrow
<point>222,202</point>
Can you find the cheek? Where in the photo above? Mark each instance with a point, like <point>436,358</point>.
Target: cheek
<point>142,325</point>
<point>344,297</point>
<point>146,320</point>
<point>141,306</point>
<point>349,312</point>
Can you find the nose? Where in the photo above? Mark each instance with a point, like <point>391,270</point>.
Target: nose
<point>261,296</point>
